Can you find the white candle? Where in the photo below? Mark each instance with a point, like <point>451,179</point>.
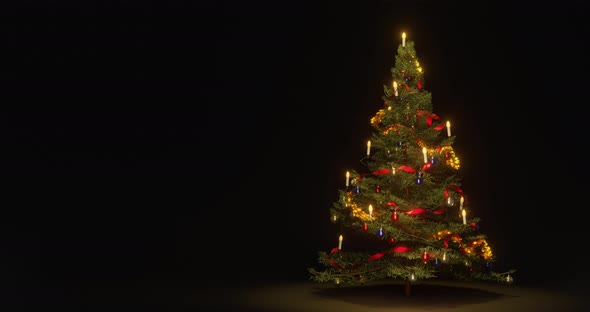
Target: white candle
<point>461,202</point>
<point>395,88</point>
<point>370,211</point>
<point>347,177</point>
<point>464,213</point>
<point>393,170</point>
<point>368,148</point>
<point>403,39</point>
<point>425,154</point>
<point>448,128</point>
<point>340,242</point>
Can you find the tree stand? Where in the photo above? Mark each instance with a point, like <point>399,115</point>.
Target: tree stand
<point>408,288</point>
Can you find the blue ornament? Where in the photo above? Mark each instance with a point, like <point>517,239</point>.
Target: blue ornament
<point>437,262</point>
<point>419,179</point>
<point>357,189</point>
<point>380,232</point>
<point>432,160</point>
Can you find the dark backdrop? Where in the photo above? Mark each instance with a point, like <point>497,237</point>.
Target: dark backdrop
<point>207,141</point>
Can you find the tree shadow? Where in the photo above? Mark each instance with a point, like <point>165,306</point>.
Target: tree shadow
<point>422,295</point>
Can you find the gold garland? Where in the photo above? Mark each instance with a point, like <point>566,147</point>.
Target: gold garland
<point>478,245</point>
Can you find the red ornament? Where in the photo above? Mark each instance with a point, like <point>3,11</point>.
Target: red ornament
<point>391,240</point>
<point>378,189</point>
<point>365,227</point>
<point>395,217</point>
<point>420,84</point>
<point>425,256</point>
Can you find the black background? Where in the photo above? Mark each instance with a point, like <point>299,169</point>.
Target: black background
<point>206,141</point>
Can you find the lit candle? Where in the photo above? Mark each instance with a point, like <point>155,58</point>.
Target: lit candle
<point>461,202</point>
<point>340,242</point>
<point>368,148</point>
<point>448,128</point>
<point>395,88</point>
<point>403,39</point>
<point>425,154</point>
<point>370,211</point>
<point>464,213</point>
<point>393,170</point>
<point>347,178</point>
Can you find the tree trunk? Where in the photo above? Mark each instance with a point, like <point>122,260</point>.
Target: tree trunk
<point>408,288</point>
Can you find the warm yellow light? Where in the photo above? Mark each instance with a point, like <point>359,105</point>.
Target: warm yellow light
<point>370,210</point>
<point>347,178</point>
<point>403,39</point>
<point>448,128</point>
<point>361,213</point>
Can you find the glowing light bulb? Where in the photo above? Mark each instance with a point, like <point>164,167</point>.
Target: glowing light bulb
<point>448,128</point>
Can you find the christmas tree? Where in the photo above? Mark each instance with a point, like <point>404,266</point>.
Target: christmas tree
<point>408,205</point>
